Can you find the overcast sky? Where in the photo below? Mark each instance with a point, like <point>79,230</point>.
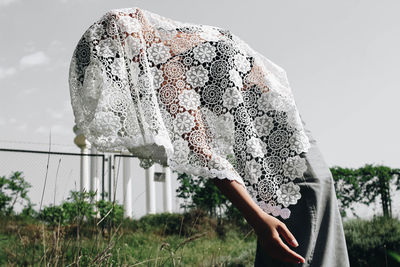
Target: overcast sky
<point>342,59</point>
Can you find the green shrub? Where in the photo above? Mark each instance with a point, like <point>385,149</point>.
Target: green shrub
<point>185,224</point>
<point>13,190</point>
<point>200,193</point>
<point>371,243</point>
<point>79,207</point>
<point>110,213</point>
<point>236,217</point>
<point>169,223</point>
<point>53,215</point>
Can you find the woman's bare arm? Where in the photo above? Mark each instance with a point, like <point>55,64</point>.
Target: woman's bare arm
<point>267,227</point>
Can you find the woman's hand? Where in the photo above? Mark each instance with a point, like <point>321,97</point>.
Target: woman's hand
<point>268,228</point>
<point>269,231</point>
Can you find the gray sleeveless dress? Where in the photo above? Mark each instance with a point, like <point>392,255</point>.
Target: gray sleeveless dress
<point>315,221</point>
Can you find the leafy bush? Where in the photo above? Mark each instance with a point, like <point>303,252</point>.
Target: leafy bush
<point>110,213</point>
<point>365,185</point>
<point>79,207</point>
<point>53,215</point>
<point>13,190</point>
<point>371,243</point>
<point>185,224</point>
<point>169,223</point>
<point>236,217</point>
<point>201,193</point>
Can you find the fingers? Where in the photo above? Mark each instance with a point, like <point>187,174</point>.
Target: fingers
<point>289,237</point>
<point>279,250</point>
<point>288,254</point>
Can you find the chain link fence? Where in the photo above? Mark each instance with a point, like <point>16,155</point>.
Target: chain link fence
<point>52,175</point>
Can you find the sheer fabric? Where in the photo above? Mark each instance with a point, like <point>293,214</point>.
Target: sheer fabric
<point>194,97</point>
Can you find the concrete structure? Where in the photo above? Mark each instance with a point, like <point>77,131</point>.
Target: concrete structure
<point>127,186</point>
<point>95,175</point>
<point>167,190</point>
<point>90,178</point>
<point>150,191</point>
<point>84,145</point>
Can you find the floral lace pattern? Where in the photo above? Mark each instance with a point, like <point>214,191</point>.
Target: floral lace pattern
<point>194,97</point>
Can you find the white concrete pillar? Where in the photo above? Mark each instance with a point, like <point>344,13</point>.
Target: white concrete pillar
<point>95,176</point>
<point>95,173</point>
<point>127,186</point>
<point>167,194</point>
<point>84,183</point>
<point>150,191</point>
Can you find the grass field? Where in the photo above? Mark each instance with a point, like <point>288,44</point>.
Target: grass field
<point>171,239</point>
<point>27,242</point>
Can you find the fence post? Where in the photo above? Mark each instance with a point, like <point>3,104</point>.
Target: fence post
<point>109,178</point>
<point>103,159</point>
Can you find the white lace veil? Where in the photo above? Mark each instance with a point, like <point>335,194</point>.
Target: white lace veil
<point>194,97</point>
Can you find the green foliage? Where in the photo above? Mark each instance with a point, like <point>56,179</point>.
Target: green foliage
<point>236,217</point>
<point>30,243</point>
<point>376,181</point>
<point>54,215</point>
<point>4,198</point>
<point>370,243</point>
<point>28,211</point>
<point>364,185</point>
<point>13,190</point>
<point>347,188</point>
<point>79,207</point>
<point>186,224</point>
<point>201,193</point>
<point>110,213</point>
<point>394,255</point>
<point>169,223</point>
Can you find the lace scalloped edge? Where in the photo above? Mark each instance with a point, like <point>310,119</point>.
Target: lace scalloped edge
<point>276,210</point>
<point>164,141</point>
<point>197,171</point>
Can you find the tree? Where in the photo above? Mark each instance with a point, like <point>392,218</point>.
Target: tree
<point>364,185</point>
<point>200,192</point>
<point>13,189</point>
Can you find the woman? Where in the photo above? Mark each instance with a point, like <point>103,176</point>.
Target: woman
<point>315,221</point>
<point>200,100</point>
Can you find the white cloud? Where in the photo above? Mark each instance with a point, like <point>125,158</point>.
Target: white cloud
<point>34,59</point>
<point>7,2</point>
<point>4,72</point>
